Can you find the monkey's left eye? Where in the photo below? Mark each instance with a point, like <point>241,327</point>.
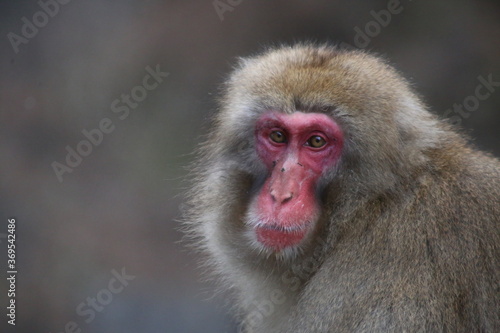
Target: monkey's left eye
<point>316,141</point>
<point>278,137</point>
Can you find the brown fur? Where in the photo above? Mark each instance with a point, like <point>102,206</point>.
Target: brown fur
<point>408,239</point>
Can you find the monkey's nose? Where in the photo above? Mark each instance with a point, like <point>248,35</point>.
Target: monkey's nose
<point>281,197</point>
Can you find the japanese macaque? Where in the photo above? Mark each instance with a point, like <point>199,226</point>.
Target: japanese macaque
<point>329,199</point>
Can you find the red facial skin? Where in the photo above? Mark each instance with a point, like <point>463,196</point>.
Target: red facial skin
<point>287,205</point>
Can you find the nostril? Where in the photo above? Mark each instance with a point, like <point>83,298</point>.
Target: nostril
<point>287,197</point>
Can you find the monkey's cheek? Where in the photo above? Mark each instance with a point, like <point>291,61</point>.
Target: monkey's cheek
<point>278,239</point>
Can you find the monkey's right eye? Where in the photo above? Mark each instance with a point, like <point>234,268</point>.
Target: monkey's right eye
<point>278,136</point>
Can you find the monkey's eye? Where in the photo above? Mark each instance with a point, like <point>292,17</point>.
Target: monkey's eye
<point>316,141</point>
<point>278,136</point>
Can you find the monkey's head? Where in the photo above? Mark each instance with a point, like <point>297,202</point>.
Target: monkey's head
<point>297,127</point>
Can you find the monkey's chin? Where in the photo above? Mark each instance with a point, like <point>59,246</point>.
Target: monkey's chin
<point>278,239</point>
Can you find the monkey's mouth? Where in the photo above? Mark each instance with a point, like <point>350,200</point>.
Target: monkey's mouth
<point>278,238</point>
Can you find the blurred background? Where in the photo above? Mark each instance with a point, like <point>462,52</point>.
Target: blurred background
<point>145,74</point>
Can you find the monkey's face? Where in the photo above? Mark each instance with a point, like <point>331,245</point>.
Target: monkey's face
<point>297,149</point>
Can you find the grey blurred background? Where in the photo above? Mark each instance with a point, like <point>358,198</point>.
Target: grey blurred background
<point>117,209</point>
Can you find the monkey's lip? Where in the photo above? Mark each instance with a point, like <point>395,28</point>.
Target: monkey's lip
<point>279,238</point>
